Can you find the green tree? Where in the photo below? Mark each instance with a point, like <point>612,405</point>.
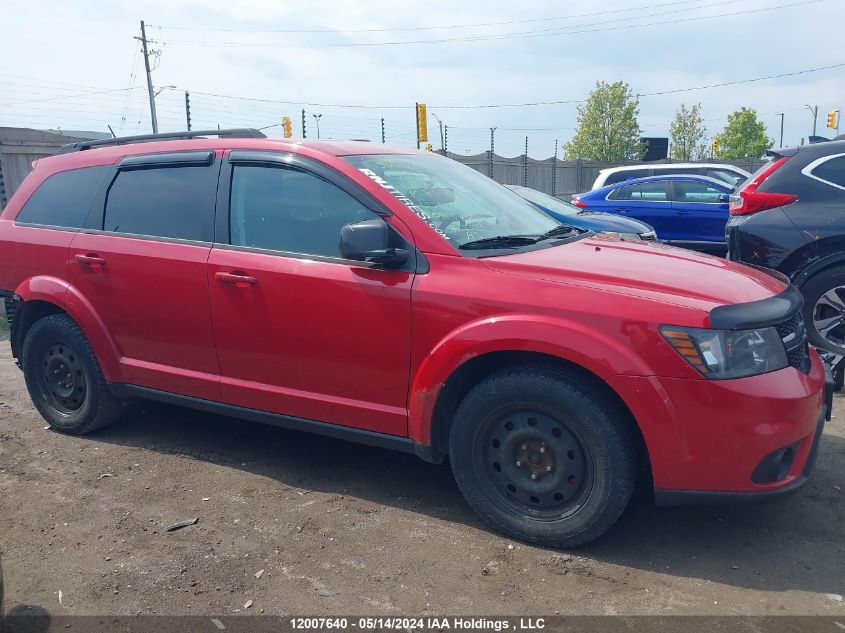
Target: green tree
<point>744,136</point>
<point>688,134</point>
<point>607,125</point>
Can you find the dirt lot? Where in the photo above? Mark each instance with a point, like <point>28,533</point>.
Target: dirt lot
<point>341,528</point>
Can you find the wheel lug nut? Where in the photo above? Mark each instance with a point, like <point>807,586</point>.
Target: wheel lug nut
<point>518,463</point>
<point>533,476</point>
<point>542,449</point>
<point>548,469</point>
<point>523,447</point>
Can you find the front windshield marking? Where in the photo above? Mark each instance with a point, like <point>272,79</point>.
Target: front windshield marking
<point>457,202</point>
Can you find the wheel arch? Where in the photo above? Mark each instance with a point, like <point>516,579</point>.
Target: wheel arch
<point>464,359</point>
<point>820,255</point>
<point>38,297</point>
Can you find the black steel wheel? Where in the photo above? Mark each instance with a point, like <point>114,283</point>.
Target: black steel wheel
<point>545,455</point>
<point>535,464</point>
<point>64,378</point>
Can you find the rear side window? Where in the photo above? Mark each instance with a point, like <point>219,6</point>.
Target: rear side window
<point>696,191</point>
<point>644,192</point>
<point>622,176</point>
<point>832,171</point>
<point>289,210</point>
<point>64,199</point>
<point>175,202</point>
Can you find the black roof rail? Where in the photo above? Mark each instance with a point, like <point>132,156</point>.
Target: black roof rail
<point>80,146</point>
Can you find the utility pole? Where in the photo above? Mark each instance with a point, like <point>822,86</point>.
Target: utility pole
<point>188,109</point>
<point>153,116</point>
<point>382,129</point>
<point>781,114</point>
<point>317,118</point>
<point>815,111</point>
<point>417,117</point>
<point>446,139</point>
<point>554,171</point>
<point>492,149</point>
<point>303,122</point>
<point>525,165</point>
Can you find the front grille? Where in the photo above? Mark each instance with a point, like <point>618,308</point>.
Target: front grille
<point>794,336</point>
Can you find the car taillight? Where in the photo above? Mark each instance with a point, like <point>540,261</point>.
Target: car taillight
<point>750,200</point>
<point>578,202</point>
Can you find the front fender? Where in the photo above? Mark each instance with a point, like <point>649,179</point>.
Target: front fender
<point>63,295</point>
<point>568,340</point>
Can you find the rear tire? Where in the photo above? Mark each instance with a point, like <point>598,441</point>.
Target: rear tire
<point>559,427</point>
<point>824,306</point>
<point>64,378</point>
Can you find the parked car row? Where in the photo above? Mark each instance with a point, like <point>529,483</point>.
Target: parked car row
<point>401,299</point>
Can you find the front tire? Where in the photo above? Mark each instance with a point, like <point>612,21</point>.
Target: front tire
<point>543,455</point>
<point>64,378</point>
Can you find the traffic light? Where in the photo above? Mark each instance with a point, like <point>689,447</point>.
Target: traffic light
<point>286,124</point>
<point>422,123</point>
<point>831,119</point>
<point>716,146</point>
<point>428,147</point>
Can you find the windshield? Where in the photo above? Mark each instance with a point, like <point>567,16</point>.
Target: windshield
<point>545,200</point>
<point>458,202</point>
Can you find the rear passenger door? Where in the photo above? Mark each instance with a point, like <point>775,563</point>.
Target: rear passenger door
<point>700,213</point>
<point>648,202</point>
<point>141,263</point>
<point>301,331</point>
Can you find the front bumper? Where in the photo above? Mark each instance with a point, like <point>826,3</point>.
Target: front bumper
<point>666,497</point>
<point>706,438</point>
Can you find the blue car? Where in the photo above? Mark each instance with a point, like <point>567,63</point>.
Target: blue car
<point>685,210</point>
<point>584,219</point>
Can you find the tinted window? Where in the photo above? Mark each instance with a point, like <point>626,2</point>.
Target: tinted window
<point>173,202</point>
<point>628,174</point>
<point>695,191</point>
<point>64,198</point>
<point>832,170</point>
<point>290,210</point>
<point>731,177</point>
<point>644,192</point>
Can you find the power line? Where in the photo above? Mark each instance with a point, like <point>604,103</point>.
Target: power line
<point>426,28</point>
<point>523,35</point>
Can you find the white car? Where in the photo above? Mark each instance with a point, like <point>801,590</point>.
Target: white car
<point>727,173</point>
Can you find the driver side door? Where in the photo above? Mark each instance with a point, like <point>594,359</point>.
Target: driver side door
<point>299,330</point>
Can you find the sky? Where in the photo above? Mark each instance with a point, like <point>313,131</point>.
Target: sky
<point>247,63</point>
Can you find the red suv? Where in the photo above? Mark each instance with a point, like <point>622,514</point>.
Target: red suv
<point>401,299</point>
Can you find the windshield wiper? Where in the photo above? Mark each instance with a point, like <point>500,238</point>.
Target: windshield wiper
<point>499,241</point>
<point>559,231</point>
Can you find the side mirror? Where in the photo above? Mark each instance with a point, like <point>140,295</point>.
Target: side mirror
<point>369,241</point>
<point>724,197</point>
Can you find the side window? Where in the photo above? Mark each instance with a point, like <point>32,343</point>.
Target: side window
<point>65,198</point>
<point>645,192</point>
<point>175,202</point>
<point>832,171</point>
<point>622,176</point>
<point>284,209</point>
<point>731,177</point>
<point>695,191</point>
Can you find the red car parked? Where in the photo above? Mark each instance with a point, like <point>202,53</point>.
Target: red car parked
<point>401,299</point>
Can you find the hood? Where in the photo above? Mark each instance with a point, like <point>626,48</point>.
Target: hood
<point>646,269</point>
<point>611,222</point>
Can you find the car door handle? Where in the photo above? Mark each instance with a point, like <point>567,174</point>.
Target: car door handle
<point>91,260</point>
<point>239,280</point>
<point>622,209</point>
<point>683,211</point>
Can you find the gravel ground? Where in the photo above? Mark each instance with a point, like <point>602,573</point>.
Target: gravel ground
<point>292,523</point>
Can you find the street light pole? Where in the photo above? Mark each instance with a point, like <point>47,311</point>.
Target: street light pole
<point>442,140</point>
<point>317,118</point>
<point>780,114</point>
<point>815,111</point>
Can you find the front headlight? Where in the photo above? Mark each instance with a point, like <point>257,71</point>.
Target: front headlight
<point>726,353</point>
